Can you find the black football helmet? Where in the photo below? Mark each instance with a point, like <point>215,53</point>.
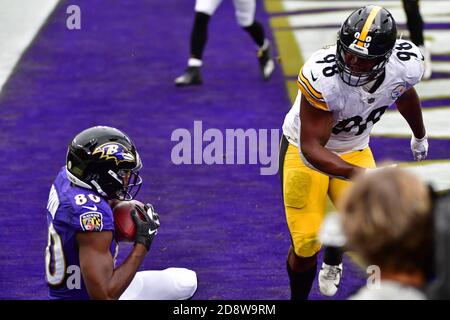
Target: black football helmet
<point>105,159</point>
<point>369,33</point>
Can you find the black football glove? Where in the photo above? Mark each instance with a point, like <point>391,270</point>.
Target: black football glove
<point>147,228</point>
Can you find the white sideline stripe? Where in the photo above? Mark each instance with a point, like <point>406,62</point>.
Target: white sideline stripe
<point>436,123</point>
<point>431,11</point>
<point>299,5</point>
<point>437,173</point>
<point>20,20</point>
<point>336,17</point>
<point>434,88</point>
<point>441,67</point>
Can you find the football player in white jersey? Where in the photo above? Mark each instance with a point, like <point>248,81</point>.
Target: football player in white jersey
<point>344,90</point>
<point>245,15</point>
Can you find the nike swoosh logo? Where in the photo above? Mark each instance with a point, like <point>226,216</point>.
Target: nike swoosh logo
<point>94,208</point>
<point>312,76</point>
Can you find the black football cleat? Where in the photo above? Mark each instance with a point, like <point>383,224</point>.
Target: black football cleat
<point>266,63</point>
<point>192,76</point>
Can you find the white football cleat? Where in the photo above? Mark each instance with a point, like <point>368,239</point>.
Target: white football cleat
<point>329,279</point>
<point>192,76</point>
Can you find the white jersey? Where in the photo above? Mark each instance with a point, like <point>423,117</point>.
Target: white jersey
<point>355,110</point>
<point>244,9</point>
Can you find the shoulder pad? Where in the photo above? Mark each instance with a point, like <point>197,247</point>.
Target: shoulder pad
<point>316,77</point>
<point>90,211</point>
<point>409,60</point>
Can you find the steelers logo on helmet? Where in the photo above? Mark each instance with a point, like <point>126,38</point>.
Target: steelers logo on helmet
<point>365,42</point>
<point>105,159</point>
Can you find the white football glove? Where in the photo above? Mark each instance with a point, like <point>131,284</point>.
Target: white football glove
<point>331,233</point>
<point>372,170</point>
<point>419,148</point>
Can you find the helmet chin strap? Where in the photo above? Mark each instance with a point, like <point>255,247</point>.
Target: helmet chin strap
<point>353,80</point>
<point>82,184</point>
<point>115,176</point>
<point>125,196</point>
<point>99,189</point>
<point>77,181</point>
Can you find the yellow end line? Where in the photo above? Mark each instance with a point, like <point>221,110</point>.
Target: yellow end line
<point>289,51</point>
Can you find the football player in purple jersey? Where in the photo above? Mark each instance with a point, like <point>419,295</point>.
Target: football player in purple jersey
<point>102,168</point>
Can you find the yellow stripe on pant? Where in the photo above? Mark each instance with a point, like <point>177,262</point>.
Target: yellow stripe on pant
<point>304,193</point>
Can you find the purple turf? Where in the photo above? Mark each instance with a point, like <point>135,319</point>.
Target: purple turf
<point>225,222</point>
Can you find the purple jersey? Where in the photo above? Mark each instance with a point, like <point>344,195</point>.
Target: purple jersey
<point>71,209</point>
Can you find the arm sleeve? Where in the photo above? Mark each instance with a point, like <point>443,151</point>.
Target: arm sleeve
<point>92,217</point>
<point>311,89</point>
<point>414,67</point>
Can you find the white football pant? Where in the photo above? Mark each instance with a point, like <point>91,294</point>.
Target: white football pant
<point>168,284</point>
<point>244,9</point>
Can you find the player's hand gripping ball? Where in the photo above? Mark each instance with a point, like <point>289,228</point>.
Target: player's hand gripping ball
<point>135,222</point>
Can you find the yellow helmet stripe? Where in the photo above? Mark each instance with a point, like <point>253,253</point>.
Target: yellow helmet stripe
<point>362,37</point>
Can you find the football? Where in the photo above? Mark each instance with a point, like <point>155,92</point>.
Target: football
<point>125,228</point>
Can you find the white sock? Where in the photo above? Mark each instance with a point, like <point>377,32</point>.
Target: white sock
<point>265,45</point>
<point>193,62</point>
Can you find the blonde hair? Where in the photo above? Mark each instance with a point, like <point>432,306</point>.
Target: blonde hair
<point>387,220</point>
